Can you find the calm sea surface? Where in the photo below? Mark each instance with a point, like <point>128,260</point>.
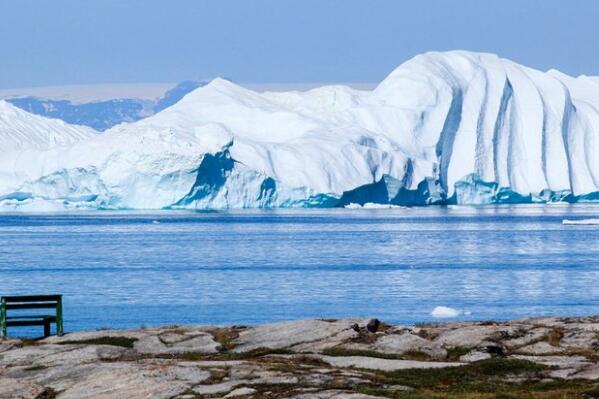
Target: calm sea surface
<point>132,269</point>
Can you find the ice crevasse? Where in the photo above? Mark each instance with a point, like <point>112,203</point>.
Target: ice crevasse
<point>453,127</point>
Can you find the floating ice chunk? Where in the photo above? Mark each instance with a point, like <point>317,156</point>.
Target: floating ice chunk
<point>581,222</point>
<point>352,205</point>
<point>445,312</point>
<point>371,205</point>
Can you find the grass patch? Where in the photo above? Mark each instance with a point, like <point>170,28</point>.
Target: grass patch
<point>495,378</point>
<point>365,338</point>
<point>338,351</point>
<point>28,342</point>
<point>224,356</point>
<point>409,355</point>
<point>456,352</point>
<point>216,376</point>
<point>554,337</point>
<point>293,364</point>
<point>225,337</point>
<point>416,355</point>
<point>467,377</point>
<point>124,342</point>
<point>426,334</point>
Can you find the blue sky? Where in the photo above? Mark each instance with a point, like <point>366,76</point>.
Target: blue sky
<point>261,41</point>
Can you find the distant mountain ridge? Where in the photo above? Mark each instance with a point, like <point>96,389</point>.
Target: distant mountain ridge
<point>102,115</point>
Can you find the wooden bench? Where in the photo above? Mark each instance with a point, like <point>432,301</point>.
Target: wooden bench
<point>31,302</point>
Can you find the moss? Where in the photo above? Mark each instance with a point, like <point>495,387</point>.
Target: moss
<point>124,342</point>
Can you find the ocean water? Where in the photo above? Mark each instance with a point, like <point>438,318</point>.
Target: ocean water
<point>244,267</point>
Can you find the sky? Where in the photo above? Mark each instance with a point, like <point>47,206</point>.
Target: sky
<point>279,41</point>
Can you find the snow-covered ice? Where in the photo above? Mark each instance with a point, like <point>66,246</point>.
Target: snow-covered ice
<point>454,127</point>
<point>371,205</point>
<point>445,312</point>
<point>581,222</point>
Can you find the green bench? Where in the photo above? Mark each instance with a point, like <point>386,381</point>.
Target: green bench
<point>27,303</point>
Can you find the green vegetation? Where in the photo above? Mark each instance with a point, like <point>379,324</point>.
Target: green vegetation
<point>338,351</point>
<point>495,378</point>
<point>409,355</point>
<point>225,337</point>
<point>456,352</point>
<point>253,354</point>
<point>554,337</point>
<point>464,378</point>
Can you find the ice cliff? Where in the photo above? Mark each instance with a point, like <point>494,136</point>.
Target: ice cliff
<point>454,127</point>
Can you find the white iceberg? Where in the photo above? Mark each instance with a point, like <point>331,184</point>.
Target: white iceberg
<point>454,127</point>
<point>581,222</point>
<point>445,312</point>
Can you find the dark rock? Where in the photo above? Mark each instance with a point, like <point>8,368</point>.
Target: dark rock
<point>47,393</point>
<point>495,350</point>
<point>373,325</point>
<point>355,327</point>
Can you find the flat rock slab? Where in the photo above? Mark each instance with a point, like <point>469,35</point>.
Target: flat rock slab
<point>293,333</point>
<point>373,363</point>
<point>408,342</point>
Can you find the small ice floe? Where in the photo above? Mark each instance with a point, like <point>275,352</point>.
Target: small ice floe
<point>581,222</point>
<point>371,205</point>
<point>445,312</point>
<point>155,222</point>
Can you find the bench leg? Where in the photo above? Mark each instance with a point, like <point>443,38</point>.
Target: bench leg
<point>3,317</point>
<point>46,328</point>
<point>59,326</point>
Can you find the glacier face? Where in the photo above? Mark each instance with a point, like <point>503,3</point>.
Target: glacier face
<point>454,127</point>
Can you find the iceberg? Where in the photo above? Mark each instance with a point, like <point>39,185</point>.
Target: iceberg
<point>443,128</point>
<point>581,222</point>
<point>445,312</point>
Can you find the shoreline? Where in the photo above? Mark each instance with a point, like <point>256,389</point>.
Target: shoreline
<point>305,359</point>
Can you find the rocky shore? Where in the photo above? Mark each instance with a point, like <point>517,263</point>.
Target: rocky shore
<point>310,359</point>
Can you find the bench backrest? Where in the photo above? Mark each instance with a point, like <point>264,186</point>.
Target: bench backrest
<point>31,302</point>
